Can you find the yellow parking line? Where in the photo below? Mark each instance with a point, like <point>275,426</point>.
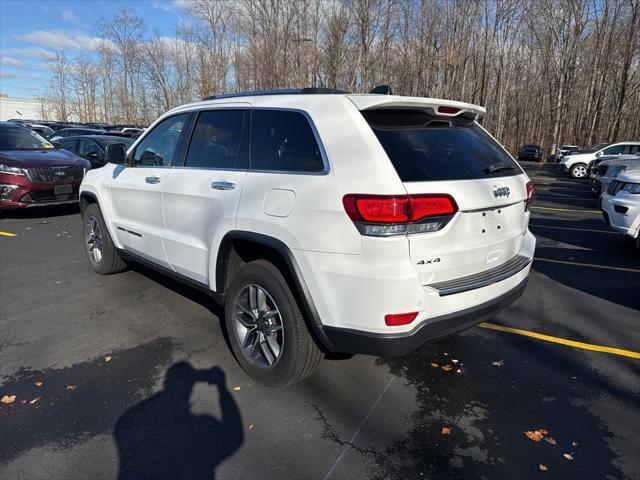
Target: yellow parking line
<point>533,207</point>
<point>562,341</point>
<point>7,234</point>
<point>592,265</point>
<point>576,229</point>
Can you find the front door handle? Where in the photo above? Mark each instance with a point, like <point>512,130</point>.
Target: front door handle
<point>223,185</point>
<point>152,179</point>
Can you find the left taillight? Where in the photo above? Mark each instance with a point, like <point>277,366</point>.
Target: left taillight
<point>531,193</point>
<point>386,215</point>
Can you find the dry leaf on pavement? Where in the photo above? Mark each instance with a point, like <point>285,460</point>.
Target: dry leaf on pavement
<point>251,427</point>
<point>550,440</point>
<point>237,389</point>
<point>574,444</point>
<point>568,456</point>
<point>8,399</point>
<point>543,467</point>
<point>446,431</point>
<point>446,368</point>
<point>543,431</point>
<point>499,363</point>
<point>38,384</point>
<point>107,358</point>
<point>34,400</point>
<point>536,435</point>
<point>434,365</point>
<point>71,387</point>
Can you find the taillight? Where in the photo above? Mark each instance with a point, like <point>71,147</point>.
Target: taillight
<point>395,319</point>
<point>530,195</point>
<point>384,215</point>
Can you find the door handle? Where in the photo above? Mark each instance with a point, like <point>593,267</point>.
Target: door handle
<point>223,185</point>
<point>152,179</point>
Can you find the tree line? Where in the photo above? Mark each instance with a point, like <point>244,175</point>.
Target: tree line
<point>548,71</point>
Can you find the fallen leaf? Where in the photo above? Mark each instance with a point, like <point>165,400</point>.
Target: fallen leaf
<point>536,436</point>
<point>454,360</point>
<point>38,384</point>
<point>23,402</point>
<point>251,427</point>
<point>8,399</point>
<point>550,440</point>
<point>543,431</point>
<point>574,444</point>
<point>458,371</point>
<point>34,400</point>
<point>237,389</point>
<point>499,363</point>
<point>543,467</point>
<point>446,354</point>
<point>446,431</point>
<point>107,358</point>
<point>568,456</point>
<point>434,365</point>
<point>446,368</point>
<point>71,387</point>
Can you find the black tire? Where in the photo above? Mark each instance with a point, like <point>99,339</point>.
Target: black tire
<point>109,260</point>
<point>299,355</point>
<point>579,170</point>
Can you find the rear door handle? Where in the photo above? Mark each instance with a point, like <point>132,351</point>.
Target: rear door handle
<point>152,179</point>
<point>223,185</point>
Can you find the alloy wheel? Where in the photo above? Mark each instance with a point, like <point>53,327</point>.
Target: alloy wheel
<point>93,235</point>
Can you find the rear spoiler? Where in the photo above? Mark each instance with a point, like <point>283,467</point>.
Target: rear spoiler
<point>444,108</point>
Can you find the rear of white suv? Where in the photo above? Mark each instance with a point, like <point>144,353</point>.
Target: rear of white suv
<point>324,223</point>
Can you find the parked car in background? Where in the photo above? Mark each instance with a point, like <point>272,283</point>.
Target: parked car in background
<point>92,147</point>
<point>132,132</point>
<point>620,204</point>
<point>578,164</point>
<point>607,171</point>
<point>564,150</point>
<point>68,132</point>
<point>35,173</point>
<point>530,152</point>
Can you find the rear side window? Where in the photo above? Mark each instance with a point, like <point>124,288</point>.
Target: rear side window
<point>217,139</point>
<point>283,141</point>
<point>423,147</point>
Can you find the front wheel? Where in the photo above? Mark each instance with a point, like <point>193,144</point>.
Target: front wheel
<point>101,252</point>
<point>579,170</point>
<point>265,326</point>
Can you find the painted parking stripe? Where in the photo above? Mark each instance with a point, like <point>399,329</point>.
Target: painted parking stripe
<point>562,341</point>
<point>7,234</point>
<point>590,265</point>
<point>534,207</point>
<point>536,225</point>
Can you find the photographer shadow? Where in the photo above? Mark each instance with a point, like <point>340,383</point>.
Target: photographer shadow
<point>161,438</point>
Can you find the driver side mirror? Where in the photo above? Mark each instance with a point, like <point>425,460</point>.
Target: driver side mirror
<point>116,153</point>
<point>598,155</point>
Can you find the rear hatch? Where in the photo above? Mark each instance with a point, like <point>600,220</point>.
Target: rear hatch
<point>453,155</point>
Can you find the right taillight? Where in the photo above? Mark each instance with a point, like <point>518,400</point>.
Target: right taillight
<point>530,195</point>
<point>385,215</point>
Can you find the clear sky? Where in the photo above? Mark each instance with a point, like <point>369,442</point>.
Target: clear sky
<point>33,30</point>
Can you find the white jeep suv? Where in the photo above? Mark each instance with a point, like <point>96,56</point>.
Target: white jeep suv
<point>323,221</point>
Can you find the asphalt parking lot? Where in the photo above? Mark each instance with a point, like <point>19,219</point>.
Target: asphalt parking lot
<point>131,372</point>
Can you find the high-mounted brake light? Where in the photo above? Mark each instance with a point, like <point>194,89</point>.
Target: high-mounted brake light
<point>531,193</point>
<point>384,215</point>
<point>448,110</point>
<point>395,319</point>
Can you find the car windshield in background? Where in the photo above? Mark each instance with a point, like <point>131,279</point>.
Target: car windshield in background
<point>18,138</point>
<point>424,147</point>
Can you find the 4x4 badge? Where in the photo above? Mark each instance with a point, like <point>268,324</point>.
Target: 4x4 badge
<point>501,192</point>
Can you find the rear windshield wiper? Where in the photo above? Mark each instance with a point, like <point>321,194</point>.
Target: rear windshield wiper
<point>499,167</point>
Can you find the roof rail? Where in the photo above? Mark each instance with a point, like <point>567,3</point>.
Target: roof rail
<point>283,91</point>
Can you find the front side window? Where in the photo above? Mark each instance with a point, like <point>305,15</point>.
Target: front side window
<point>88,147</point>
<point>217,140</point>
<point>158,148</point>
<point>69,144</point>
<point>283,141</point>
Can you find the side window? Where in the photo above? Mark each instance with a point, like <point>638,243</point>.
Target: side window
<point>615,150</point>
<point>69,145</point>
<point>634,149</point>
<point>217,140</point>
<point>87,147</point>
<point>159,147</point>
<point>283,141</point>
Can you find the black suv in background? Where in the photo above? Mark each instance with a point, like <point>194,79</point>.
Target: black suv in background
<point>530,152</point>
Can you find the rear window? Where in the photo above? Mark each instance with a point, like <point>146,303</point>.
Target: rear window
<point>423,147</point>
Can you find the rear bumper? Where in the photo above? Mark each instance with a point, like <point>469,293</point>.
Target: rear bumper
<point>346,340</point>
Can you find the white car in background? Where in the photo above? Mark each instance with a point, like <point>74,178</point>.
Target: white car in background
<point>578,164</point>
<point>606,171</point>
<point>620,204</point>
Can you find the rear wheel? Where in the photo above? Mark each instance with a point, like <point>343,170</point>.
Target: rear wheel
<point>579,170</point>
<point>266,329</point>
<point>101,252</point>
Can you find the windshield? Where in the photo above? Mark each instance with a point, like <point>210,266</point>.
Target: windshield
<point>424,147</point>
<point>15,138</point>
